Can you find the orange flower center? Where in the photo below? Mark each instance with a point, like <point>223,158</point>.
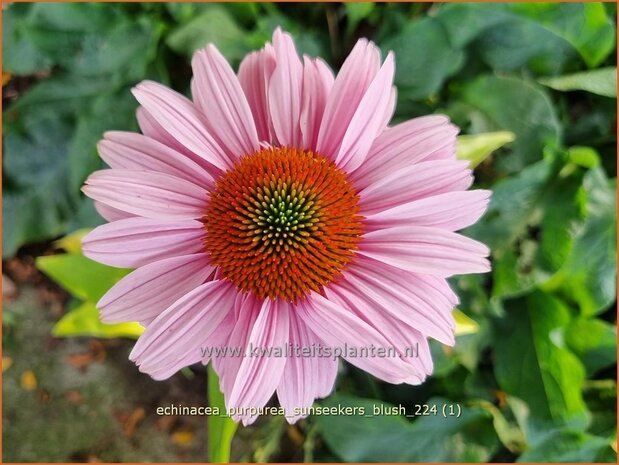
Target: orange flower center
<point>282,222</point>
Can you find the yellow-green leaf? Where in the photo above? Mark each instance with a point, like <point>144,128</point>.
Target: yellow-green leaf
<point>477,147</point>
<point>601,81</point>
<point>72,243</point>
<point>464,324</point>
<point>84,321</point>
<point>82,277</point>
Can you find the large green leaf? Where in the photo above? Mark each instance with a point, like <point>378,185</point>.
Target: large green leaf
<point>585,25</point>
<point>570,446</point>
<point>107,112</point>
<point>424,56</point>
<point>519,106</point>
<point>601,81</point>
<point>533,364</point>
<point>372,437</point>
<point>84,321</point>
<point>19,55</point>
<point>589,273</point>
<point>213,25</point>
<point>594,341</point>
<point>37,203</point>
<point>82,277</point>
<point>538,35</point>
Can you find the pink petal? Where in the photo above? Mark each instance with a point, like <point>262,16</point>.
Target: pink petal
<point>152,129</point>
<point>182,120</point>
<point>317,83</point>
<point>128,150</point>
<point>407,341</point>
<point>426,250</point>
<point>401,146</point>
<point>305,378</point>
<point>339,327</point>
<point>133,242</point>
<point>110,213</point>
<point>351,84</point>
<point>218,94</point>
<point>147,193</point>
<point>285,91</point>
<point>258,376</point>
<point>415,300</point>
<point>369,118</point>
<point>390,108</point>
<point>451,211</point>
<point>146,292</point>
<point>415,182</point>
<point>255,74</point>
<point>174,339</point>
<point>246,310</point>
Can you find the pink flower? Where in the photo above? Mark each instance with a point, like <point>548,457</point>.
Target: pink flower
<point>279,207</point>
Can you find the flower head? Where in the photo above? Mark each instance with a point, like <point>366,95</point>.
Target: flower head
<point>279,209</point>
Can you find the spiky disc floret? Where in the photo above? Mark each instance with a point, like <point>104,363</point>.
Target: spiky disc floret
<point>282,222</point>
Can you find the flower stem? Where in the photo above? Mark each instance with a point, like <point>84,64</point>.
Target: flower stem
<point>220,427</point>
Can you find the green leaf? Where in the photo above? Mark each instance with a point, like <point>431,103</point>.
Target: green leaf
<point>588,275</point>
<point>602,81</point>
<point>221,428</point>
<point>513,207</point>
<point>368,436</point>
<point>214,25</point>
<point>82,277</point>
<point>570,446</point>
<point>107,112</point>
<point>594,341</point>
<point>583,156</point>
<point>422,70</point>
<point>19,55</point>
<point>74,17</point>
<point>64,92</point>
<point>37,203</point>
<point>511,435</point>
<point>584,25</point>
<point>533,364</point>
<point>355,13</point>
<point>464,323</point>
<point>518,106</point>
<point>84,321</point>
<point>538,35</point>
<point>72,243</point>
<point>477,147</point>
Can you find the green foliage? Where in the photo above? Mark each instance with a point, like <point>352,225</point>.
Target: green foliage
<point>220,427</point>
<point>601,81</point>
<point>540,126</point>
<point>87,281</point>
<point>532,87</point>
<point>374,437</point>
<point>477,147</point>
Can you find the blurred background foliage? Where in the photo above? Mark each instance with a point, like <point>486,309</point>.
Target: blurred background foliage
<point>533,87</point>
